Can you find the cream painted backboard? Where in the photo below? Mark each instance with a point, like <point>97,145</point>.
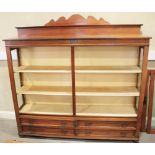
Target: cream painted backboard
<point>105,102</point>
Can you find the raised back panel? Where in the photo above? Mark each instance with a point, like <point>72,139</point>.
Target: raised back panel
<point>77,26</point>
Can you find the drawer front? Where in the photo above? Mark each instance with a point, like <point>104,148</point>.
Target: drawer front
<point>55,123</point>
<point>110,125</point>
<point>49,131</point>
<point>105,133</point>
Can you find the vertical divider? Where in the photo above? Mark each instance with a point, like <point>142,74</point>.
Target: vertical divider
<point>73,80</point>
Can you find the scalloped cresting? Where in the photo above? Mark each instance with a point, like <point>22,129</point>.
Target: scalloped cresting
<point>77,20</point>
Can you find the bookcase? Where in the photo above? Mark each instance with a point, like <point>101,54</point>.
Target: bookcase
<point>79,78</point>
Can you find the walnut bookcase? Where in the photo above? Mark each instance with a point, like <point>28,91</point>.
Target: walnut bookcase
<point>79,78</point>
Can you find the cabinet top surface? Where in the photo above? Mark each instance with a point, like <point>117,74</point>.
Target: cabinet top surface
<point>92,25</point>
<point>82,37</point>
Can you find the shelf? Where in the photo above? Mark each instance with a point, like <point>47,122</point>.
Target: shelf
<point>55,109</point>
<point>45,90</point>
<point>80,91</point>
<point>43,69</point>
<point>107,110</point>
<point>108,69</point>
<point>79,69</point>
<point>107,91</point>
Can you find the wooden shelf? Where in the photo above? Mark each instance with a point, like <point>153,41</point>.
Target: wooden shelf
<point>80,91</point>
<point>43,69</point>
<point>45,90</point>
<point>107,110</point>
<point>55,109</point>
<point>107,91</point>
<point>108,69</point>
<point>79,69</point>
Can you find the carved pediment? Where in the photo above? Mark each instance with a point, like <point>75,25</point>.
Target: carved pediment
<point>77,20</point>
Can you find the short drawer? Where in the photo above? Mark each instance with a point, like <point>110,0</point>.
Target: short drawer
<point>110,125</point>
<point>41,122</point>
<point>105,133</point>
<point>50,131</point>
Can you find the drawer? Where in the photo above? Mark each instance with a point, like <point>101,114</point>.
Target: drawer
<point>41,122</point>
<point>50,131</point>
<point>78,127</point>
<point>110,125</point>
<point>105,133</point>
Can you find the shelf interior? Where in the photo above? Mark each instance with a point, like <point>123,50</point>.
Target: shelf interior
<point>87,106</point>
<point>46,79</point>
<point>106,80</point>
<point>54,109</point>
<point>47,104</point>
<point>97,94</point>
<point>86,110</point>
<point>43,69</point>
<point>106,56</point>
<point>108,69</point>
<point>107,91</point>
<point>106,106</point>
<point>45,90</point>
<point>107,110</point>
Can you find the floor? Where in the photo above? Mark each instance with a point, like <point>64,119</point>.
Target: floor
<point>8,131</point>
